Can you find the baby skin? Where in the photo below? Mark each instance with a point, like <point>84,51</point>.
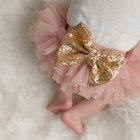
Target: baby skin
<point>72,115</point>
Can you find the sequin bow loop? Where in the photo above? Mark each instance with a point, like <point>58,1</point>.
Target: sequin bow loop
<point>77,45</point>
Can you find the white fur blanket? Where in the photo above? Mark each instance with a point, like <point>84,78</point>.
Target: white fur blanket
<point>25,90</point>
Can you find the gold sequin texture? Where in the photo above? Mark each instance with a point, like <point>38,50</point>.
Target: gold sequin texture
<point>77,45</point>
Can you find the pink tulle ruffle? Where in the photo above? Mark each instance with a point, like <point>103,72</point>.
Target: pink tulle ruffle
<point>47,31</point>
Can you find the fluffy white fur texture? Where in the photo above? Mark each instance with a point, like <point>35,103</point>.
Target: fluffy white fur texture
<point>25,90</point>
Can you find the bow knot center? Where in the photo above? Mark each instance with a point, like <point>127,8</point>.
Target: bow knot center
<point>93,56</point>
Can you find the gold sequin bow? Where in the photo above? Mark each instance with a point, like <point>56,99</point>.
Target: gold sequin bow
<point>77,45</point>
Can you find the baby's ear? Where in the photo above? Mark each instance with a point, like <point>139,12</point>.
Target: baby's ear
<point>114,23</point>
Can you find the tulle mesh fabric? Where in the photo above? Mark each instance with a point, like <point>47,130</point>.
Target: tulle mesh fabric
<point>48,29</point>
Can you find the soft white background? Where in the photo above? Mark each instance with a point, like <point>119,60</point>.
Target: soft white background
<point>25,91</point>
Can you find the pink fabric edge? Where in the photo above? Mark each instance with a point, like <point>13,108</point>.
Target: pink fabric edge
<point>49,27</point>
